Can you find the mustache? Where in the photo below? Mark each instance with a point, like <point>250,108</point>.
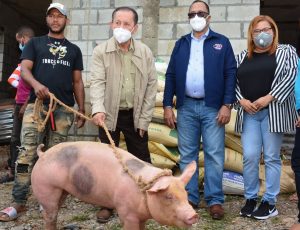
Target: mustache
<point>56,31</point>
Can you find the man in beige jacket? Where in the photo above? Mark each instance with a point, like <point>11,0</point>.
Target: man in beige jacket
<point>123,87</point>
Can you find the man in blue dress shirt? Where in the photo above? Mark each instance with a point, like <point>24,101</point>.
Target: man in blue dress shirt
<point>202,75</point>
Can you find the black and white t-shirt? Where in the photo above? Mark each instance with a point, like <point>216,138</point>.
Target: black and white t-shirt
<point>54,62</point>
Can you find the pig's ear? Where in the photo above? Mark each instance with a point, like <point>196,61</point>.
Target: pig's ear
<point>188,172</point>
<point>159,186</point>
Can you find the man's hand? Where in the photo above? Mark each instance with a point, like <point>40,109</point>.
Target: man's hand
<point>169,117</point>
<point>79,121</point>
<point>263,102</point>
<point>22,110</point>
<point>141,133</point>
<point>41,91</point>
<point>248,106</point>
<point>298,123</point>
<point>99,119</point>
<point>223,115</point>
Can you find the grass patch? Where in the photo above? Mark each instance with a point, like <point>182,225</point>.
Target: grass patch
<point>275,220</point>
<point>80,218</point>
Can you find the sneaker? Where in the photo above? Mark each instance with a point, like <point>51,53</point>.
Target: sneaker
<point>249,207</point>
<point>264,211</point>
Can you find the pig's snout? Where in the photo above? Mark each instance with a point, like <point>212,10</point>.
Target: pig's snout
<point>191,219</point>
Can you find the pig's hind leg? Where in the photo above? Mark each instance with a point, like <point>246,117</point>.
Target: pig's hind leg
<point>51,206</point>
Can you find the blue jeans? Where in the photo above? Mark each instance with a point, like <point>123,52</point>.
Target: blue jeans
<point>194,120</point>
<point>255,137</point>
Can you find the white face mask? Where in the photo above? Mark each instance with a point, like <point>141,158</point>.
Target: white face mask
<point>121,35</point>
<point>198,23</point>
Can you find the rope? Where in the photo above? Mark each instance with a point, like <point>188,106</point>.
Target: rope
<point>38,109</point>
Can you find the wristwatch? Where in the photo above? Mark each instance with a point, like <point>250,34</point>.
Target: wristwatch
<point>229,106</point>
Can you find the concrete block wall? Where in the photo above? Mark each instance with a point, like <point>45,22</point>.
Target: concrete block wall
<point>89,26</point>
<point>230,17</point>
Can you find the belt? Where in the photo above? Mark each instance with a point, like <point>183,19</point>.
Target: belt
<point>125,109</point>
<point>195,98</point>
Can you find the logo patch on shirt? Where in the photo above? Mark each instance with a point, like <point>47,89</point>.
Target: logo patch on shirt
<point>218,46</point>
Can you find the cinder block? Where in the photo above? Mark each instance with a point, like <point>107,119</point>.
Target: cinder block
<point>174,14</point>
<point>132,3</point>
<point>245,29</point>
<point>105,16</point>
<point>95,32</point>
<point>167,3</point>
<point>84,16</point>
<point>242,13</point>
<point>165,47</point>
<point>238,45</point>
<point>72,33</point>
<point>86,47</point>
<point>227,2</point>
<point>230,30</point>
<point>165,31</point>
<point>96,3</point>
<point>186,2</point>
<point>218,13</point>
<point>252,2</point>
<point>183,29</point>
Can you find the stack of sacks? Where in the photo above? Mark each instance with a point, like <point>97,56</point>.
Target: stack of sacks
<point>162,140</point>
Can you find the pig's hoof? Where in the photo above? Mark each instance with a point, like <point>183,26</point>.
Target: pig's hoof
<point>72,227</point>
<point>103,216</point>
<point>8,214</point>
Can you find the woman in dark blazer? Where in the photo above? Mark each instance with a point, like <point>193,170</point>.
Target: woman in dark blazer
<point>266,109</point>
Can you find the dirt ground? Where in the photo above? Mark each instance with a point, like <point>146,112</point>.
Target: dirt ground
<point>77,215</point>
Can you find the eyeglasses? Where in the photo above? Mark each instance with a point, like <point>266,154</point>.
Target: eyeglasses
<point>266,30</point>
<point>200,14</point>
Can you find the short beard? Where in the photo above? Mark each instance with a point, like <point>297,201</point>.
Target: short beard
<point>57,32</point>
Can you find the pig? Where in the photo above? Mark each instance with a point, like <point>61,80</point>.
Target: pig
<point>295,227</point>
<point>91,172</point>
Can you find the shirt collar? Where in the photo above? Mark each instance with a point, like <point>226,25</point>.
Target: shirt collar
<point>202,37</point>
<point>131,46</point>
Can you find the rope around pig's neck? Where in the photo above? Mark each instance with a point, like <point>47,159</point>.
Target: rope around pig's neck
<point>142,184</point>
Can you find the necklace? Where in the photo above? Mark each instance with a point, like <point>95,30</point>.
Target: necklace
<point>55,48</point>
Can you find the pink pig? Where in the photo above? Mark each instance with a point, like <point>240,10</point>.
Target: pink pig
<point>91,172</point>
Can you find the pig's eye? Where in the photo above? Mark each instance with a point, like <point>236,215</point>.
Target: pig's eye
<point>169,196</point>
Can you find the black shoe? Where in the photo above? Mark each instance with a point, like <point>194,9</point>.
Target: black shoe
<point>195,206</point>
<point>264,211</point>
<point>6,178</point>
<point>248,208</point>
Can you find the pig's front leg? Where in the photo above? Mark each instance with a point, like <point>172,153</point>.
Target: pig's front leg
<point>50,219</point>
<point>133,225</point>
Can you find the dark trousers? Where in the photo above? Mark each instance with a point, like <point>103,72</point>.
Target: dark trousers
<point>15,140</point>
<point>136,145</point>
<point>295,162</point>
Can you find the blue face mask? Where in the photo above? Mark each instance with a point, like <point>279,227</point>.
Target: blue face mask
<point>21,46</point>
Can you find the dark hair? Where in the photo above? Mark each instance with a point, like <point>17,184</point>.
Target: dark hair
<point>126,8</point>
<point>199,1</point>
<point>25,31</point>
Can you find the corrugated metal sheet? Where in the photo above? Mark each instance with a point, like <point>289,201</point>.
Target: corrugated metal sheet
<point>6,125</point>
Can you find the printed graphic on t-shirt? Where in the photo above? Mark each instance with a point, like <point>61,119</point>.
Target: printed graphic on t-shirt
<point>58,52</point>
